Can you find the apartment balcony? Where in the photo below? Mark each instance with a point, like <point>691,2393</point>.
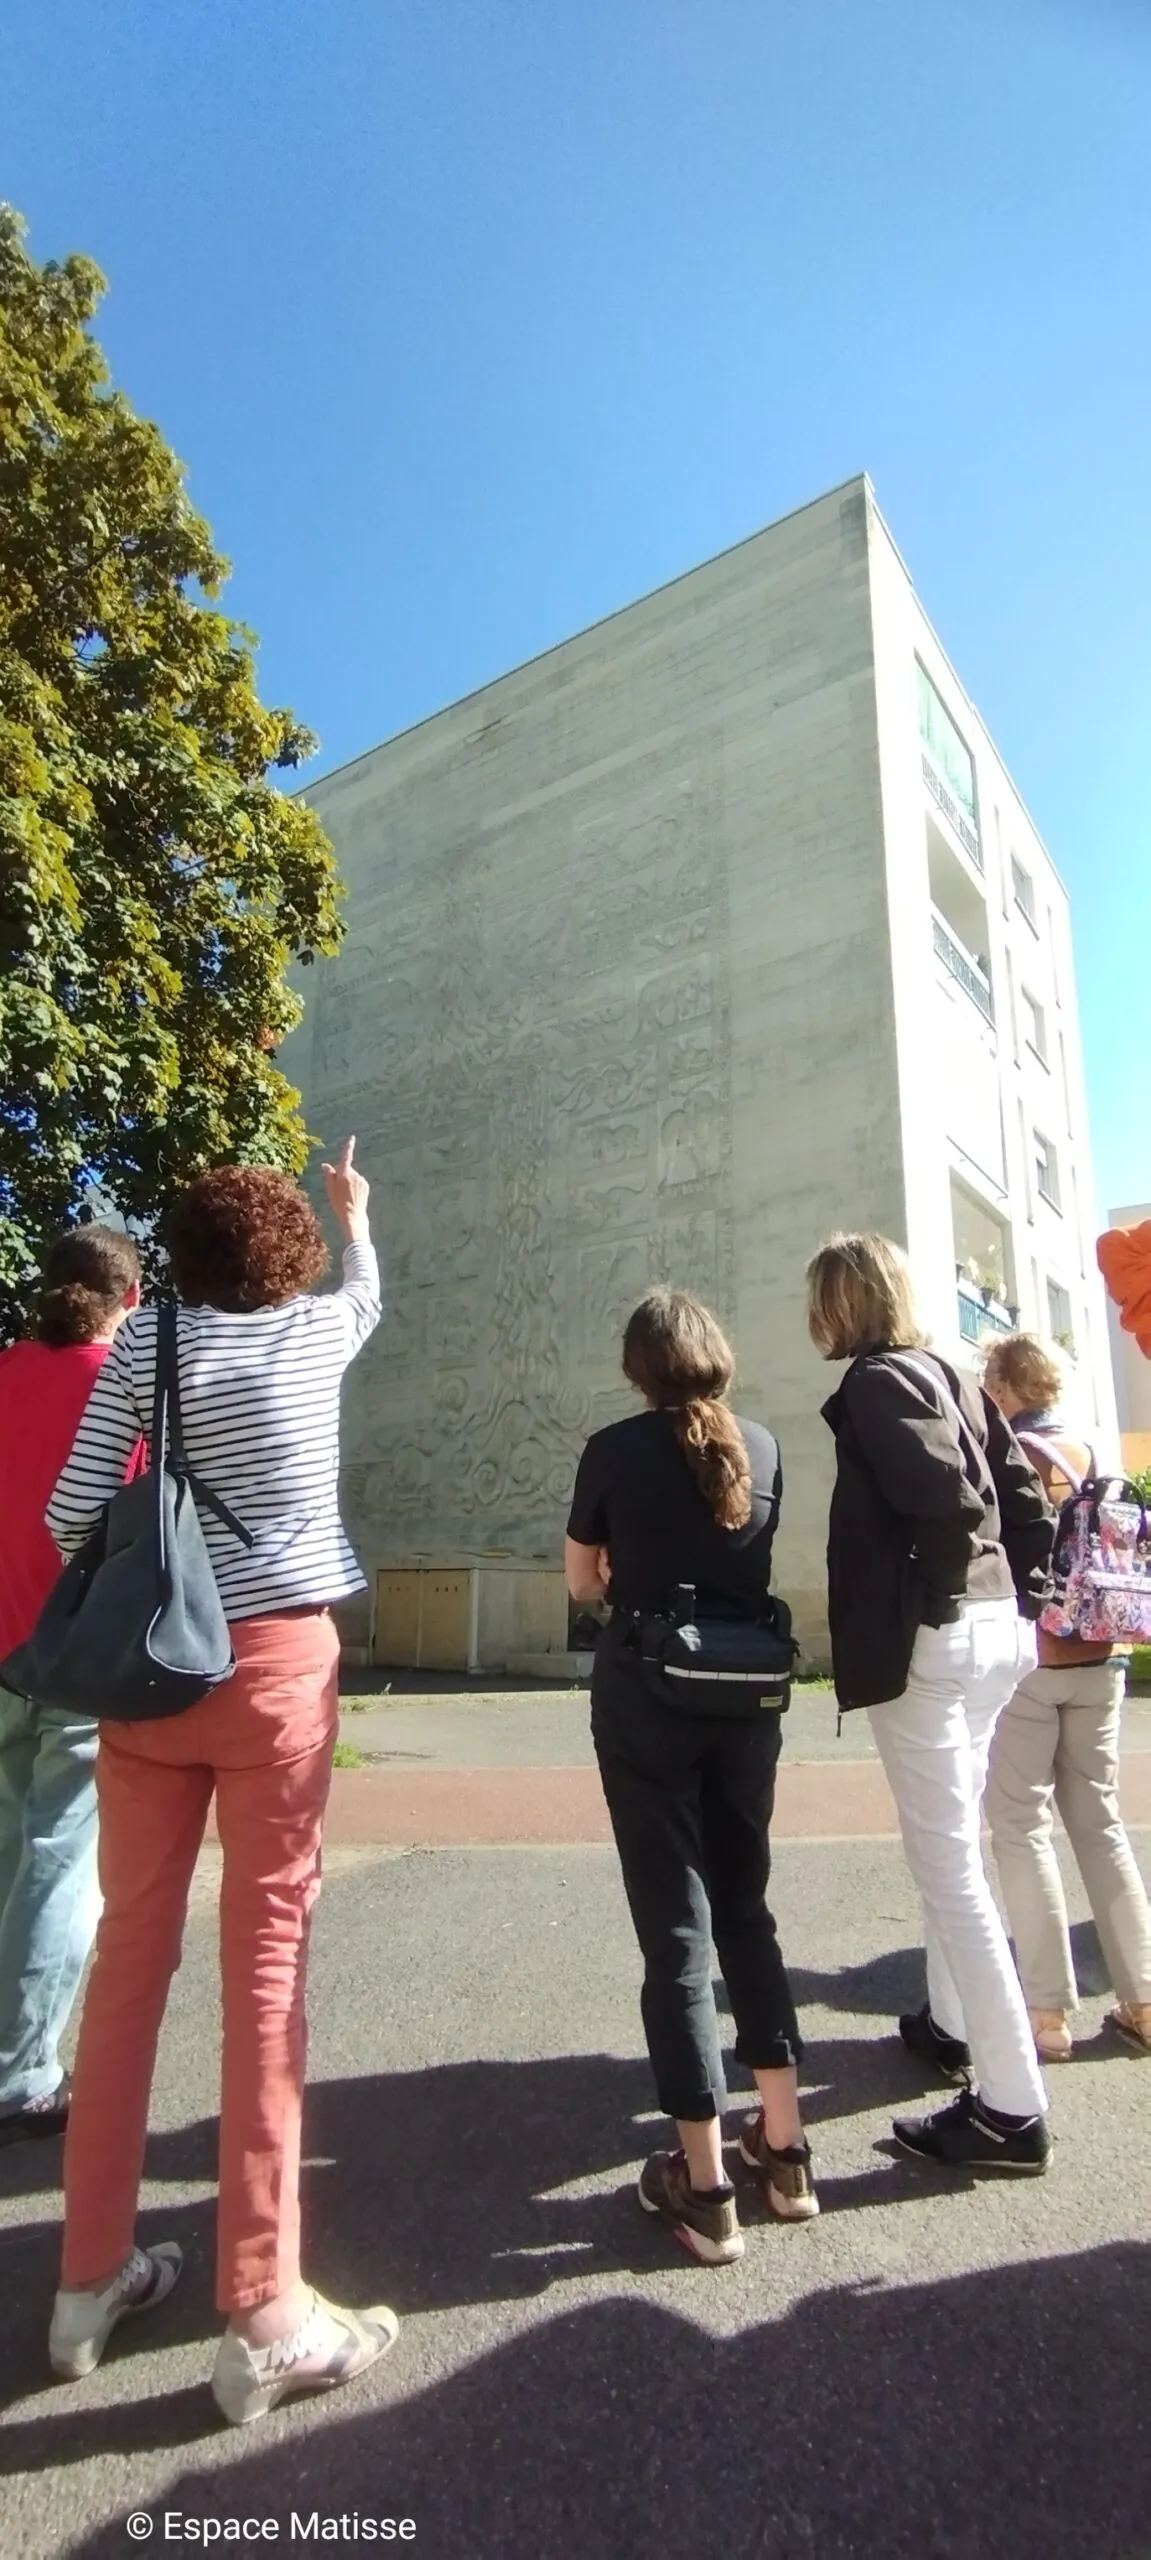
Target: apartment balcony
<point>980,1316</point>
<point>956,817</point>
<point>962,966</point>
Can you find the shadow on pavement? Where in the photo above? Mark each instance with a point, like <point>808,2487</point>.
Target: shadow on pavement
<point>992,2416</point>
<point>488,2227</point>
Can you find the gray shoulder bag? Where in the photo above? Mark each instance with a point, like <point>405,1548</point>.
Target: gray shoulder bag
<point>135,1627</point>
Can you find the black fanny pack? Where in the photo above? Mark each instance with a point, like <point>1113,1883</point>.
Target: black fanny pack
<point>715,1666</point>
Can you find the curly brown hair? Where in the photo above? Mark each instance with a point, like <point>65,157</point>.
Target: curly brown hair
<point>244,1238</point>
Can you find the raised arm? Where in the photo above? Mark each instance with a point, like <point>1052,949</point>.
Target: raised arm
<point>359,1299</point>
<point>104,1445</point>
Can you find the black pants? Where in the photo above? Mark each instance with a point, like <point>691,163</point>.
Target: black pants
<point>690,1799</point>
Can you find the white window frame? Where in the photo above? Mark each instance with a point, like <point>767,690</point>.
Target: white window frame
<point>1063,1333</point>
<point>1045,1156</point>
<point>1025,898</point>
<point>1035,1015</point>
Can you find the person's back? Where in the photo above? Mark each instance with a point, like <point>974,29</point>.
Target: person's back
<point>938,1553</point>
<point>43,1392</point>
<point>47,1795</point>
<point>1057,1747</point>
<point>260,1362</point>
<point>661,1531</point>
<point>260,1403</point>
<point>684,1493</point>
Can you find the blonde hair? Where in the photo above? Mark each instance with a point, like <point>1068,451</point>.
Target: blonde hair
<point>1024,1365</point>
<point>860,1298</point>
<point>681,1360</point>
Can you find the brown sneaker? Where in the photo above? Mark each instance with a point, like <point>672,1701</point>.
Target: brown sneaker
<point>707,2225</point>
<point>786,2175</point>
<point>1132,2020</point>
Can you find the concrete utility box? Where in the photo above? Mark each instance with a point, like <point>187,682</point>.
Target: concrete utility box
<point>488,1617</point>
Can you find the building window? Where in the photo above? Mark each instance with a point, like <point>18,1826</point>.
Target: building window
<point>1046,1170</point>
<point>944,744</point>
<point>1059,1319</point>
<point>1034,1024</point>
<point>1023,890</point>
<point>1066,1086</point>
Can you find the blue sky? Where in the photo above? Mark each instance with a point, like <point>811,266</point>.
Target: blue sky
<point>473,322</point>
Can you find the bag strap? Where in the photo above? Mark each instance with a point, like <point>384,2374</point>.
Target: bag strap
<point>1052,1448</point>
<point>934,1378</point>
<point>168,1426</point>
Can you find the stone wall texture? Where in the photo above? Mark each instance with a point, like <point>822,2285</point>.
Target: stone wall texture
<point>614,1007</point>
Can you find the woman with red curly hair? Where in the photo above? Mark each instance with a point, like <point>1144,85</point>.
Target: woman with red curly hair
<point>261,1361</point>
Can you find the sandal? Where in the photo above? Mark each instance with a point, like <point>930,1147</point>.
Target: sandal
<point>1052,2034</point>
<point>329,2347</point>
<point>1132,2020</point>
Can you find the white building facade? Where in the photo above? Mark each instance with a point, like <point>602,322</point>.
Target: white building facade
<point>717,928</point>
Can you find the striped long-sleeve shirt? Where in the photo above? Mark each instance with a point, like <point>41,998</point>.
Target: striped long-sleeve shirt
<point>260,1399</point>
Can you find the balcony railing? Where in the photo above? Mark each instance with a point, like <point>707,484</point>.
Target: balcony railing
<point>953,813</point>
<point>975,1319</point>
<point>966,971</point>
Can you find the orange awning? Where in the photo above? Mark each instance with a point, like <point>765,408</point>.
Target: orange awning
<point>1124,1256</point>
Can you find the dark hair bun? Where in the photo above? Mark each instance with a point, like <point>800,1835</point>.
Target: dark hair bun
<point>71,1313</point>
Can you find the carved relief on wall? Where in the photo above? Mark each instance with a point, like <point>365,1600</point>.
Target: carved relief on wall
<point>529,1030</point>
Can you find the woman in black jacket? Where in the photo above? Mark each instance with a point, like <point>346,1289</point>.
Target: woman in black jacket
<point>938,1562</point>
<point>683,1493</point>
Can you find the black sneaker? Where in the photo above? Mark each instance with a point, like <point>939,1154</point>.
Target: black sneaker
<point>38,2118</point>
<point>707,2225</point>
<point>945,2053</point>
<point>967,2135</point>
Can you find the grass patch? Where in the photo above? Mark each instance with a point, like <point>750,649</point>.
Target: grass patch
<point>1139,1668</point>
<point>346,1756</point>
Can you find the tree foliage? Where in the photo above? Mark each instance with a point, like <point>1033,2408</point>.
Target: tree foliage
<point>154,884</point>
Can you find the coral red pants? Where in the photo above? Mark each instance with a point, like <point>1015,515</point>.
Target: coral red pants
<point>262,1744</point>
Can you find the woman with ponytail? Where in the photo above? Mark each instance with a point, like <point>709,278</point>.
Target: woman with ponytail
<point>684,1493</point>
<point>48,1903</point>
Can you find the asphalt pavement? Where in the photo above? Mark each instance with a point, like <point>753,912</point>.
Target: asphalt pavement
<point>934,2368</point>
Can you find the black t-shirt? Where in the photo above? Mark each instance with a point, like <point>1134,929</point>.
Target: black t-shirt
<point>635,1494</point>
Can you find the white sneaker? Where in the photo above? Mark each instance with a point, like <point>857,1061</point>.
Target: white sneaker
<point>329,2347</point>
<point>82,2323</point>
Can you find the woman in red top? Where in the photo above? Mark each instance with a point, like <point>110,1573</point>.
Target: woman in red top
<point>48,1900</point>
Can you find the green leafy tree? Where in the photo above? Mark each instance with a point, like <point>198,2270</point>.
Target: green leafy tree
<point>154,884</point>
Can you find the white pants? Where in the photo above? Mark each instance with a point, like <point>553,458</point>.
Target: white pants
<point>1057,1744</point>
<point>934,1743</point>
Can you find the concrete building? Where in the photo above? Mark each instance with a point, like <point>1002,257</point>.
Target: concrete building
<point>714,929</point>
<point>1132,1371</point>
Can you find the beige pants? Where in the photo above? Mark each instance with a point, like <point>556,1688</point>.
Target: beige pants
<point>1057,1745</point>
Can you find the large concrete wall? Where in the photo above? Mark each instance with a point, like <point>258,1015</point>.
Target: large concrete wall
<point>614,1006</point>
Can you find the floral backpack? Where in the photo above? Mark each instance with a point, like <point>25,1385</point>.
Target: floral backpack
<point>1102,1560</point>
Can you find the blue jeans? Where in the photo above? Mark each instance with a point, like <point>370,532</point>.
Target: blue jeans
<point>49,1901</point>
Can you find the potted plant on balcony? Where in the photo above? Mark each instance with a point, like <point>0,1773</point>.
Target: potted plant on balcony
<point>990,1286</point>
